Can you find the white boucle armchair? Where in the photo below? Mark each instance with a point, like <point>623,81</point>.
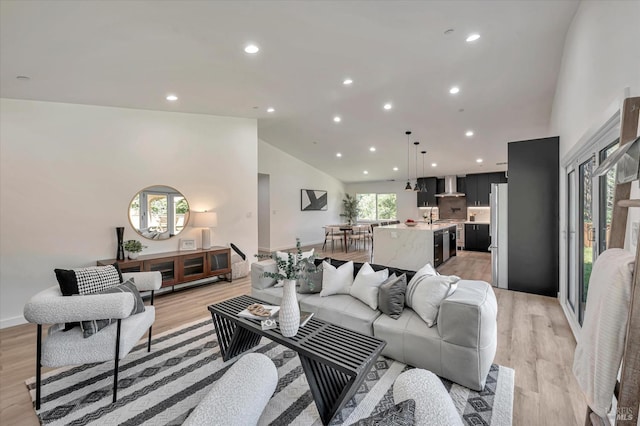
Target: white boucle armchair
<point>62,348</point>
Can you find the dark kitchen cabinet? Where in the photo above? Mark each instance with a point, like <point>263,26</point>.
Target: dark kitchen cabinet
<point>476,237</point>
<point>439,186</point>
<point>427,199</point>
<point>438,248</point>
<point>452,241</point>
<point>478,187</point>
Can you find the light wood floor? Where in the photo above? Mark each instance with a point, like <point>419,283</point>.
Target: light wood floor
<point>533,338</point>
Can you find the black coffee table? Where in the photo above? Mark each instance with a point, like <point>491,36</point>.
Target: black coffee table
<point>335,359</point>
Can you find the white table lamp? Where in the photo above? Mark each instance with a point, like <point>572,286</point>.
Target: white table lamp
<point>206,221</point>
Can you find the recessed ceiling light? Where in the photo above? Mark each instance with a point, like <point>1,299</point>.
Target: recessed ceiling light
<point>23,77</point>
<point>365,172</point>
<point>270,110</point>
<point>479,160</point>
<point>454,90</point>
<point>469,133</point>
<point>251,48</point>
<point>347,81</point>
<point>387,106</point>
<point>395,169</point>
<point>434,164</point>
<point>372,149</point>
<point>172,98</point>
<point>338,155</point>
<point>473,37</point>
<point>337,119</point>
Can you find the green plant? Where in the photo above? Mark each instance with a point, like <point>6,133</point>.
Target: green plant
<point>350,207</point>
<point>133,246</point>
<point>294,267</point>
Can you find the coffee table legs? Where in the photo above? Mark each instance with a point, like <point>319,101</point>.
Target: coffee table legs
<point>331,388</point>
<point>233,340</point>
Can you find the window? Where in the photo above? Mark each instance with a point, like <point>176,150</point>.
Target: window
<point>377,206</point>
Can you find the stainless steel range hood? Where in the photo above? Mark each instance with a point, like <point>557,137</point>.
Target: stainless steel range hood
<point>450,188</point>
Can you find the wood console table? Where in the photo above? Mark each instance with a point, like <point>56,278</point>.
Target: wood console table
<point>178,267</point>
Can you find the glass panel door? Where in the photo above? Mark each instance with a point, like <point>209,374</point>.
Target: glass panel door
<point>586,232</point>
<point>572,244</point>
<point>607,191</point>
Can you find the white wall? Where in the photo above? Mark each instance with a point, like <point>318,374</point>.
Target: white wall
<point>599,61</point>
<point>68,173</point>
<point>287,176</point>
<point>264,212</point>
<point>407,200</point>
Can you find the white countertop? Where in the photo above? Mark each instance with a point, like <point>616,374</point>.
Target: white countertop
<point>421,226</point>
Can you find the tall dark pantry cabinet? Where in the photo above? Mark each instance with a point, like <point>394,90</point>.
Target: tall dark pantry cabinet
<point>533,215</point>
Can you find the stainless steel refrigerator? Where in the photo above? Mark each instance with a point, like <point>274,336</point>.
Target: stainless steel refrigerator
<point>498,234</point>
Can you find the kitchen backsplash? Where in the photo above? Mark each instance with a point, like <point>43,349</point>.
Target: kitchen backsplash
<point>483,214</point>
<point>452,207</point>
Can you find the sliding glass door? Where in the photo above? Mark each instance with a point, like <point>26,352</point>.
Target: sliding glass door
<point>588,222</point>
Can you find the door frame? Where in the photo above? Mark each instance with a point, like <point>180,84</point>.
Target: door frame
<point>589,145</point>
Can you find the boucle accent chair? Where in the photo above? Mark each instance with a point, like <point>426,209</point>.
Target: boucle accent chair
<point>434,406</point>
<point>61,348</point>
<point>238,398</point>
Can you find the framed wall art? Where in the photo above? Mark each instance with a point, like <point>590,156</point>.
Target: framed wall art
<point>313,199</point>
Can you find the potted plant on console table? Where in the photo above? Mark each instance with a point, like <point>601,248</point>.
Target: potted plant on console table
<point>133,247</point>
<point>291,268</point>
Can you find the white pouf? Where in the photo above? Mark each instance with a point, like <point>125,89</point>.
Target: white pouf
<point>239,267</point>
<point>238,398</point>
<point>434,406</point>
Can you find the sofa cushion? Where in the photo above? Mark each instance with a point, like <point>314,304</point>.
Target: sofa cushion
<point>426,293</point>
<point>358,265</point>
<point>426,271</point>
<point>410,340</point>
<point>391,295</point>
<point>341,309</point>
<point>366,285</point>
<point>258,280</point>
<point>336,280</point>
<point>311,281</point>
<point>272,295</point>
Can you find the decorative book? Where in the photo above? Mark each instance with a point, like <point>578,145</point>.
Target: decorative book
<point>268,311</point>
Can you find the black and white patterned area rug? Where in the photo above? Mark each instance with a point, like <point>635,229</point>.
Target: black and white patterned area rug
<point>162,387</point>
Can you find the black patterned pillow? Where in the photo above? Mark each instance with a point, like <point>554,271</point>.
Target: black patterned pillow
<point>402,414</point>
<point>89,328</point>
<point>88,280</point>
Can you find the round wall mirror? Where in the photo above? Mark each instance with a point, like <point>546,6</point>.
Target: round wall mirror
<point>159,212</point>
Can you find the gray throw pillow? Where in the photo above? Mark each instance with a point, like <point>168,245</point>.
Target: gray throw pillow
<point>391,295</point>
<point>89,328</point>
<point>402,414</point>
<point>311,281</point>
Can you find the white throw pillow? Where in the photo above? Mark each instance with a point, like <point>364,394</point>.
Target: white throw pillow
<point>427,294</point>
<point>367,283</point>
<point>426,270</point>
<point>285,256</point>
<point>336,280</point>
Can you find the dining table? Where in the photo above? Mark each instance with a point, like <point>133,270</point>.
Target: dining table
<point>345,229</point>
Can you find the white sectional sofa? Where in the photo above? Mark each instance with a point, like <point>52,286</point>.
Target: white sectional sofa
<point>460,347</point>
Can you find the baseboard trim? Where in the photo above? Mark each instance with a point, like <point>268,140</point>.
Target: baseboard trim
<point>13,321</point>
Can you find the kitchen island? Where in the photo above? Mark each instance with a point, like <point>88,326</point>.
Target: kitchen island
<point>411,247</point>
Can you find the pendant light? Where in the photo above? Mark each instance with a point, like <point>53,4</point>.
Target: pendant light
<point>416,143</point>
<point>408,187</point>
<point>423,187</point>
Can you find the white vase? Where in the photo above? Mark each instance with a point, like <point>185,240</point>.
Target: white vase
<point>133,255</point>
<point>289,310</point>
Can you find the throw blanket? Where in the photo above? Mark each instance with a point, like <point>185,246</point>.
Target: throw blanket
<point>599,350</point>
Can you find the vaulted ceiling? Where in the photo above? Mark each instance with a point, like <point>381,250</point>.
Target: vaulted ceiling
<point>134,53</point>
